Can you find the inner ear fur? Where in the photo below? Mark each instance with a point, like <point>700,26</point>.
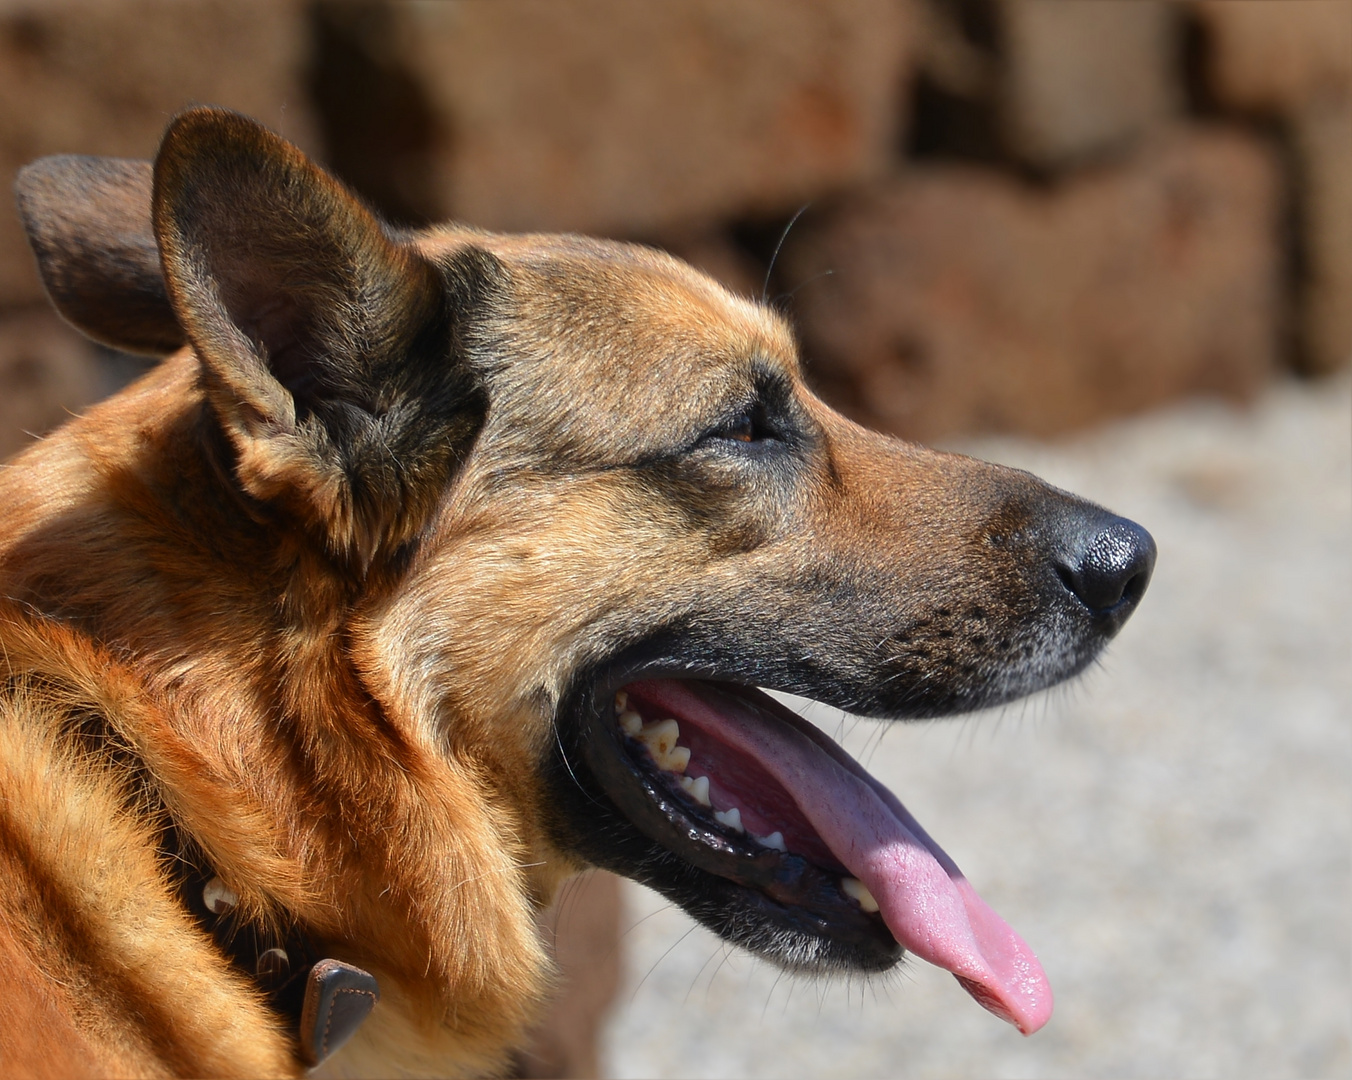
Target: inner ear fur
<point>88,222</point>
<point>330,351</point>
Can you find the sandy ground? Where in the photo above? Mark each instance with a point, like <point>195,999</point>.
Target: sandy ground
<point>1172,834</point>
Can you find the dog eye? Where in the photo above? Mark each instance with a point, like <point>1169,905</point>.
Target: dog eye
<point>743,429</point>
<point>749,427</point>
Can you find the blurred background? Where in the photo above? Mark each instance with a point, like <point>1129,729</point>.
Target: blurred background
<point>1110,241</point>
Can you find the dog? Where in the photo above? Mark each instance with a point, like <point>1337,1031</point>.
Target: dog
<point>432,567</point>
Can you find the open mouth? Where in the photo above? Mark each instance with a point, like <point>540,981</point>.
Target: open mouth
<point>776,818</point>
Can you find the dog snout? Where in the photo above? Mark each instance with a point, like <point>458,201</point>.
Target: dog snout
<point>1105,562</point>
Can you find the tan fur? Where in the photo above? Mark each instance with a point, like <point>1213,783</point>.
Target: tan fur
<point>449,908</point>
<point>115,939</point>
<point>271,595</point>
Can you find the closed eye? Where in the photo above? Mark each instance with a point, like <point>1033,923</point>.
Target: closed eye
<point>766,422</point>
<point>743,429</point>
<point>749,426</point>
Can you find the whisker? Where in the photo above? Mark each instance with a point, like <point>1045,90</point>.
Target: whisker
<point>563,756</point>
<point>771,994</point>
<point>765,288</point>
<point>634,996</point>
<point>695,981</point>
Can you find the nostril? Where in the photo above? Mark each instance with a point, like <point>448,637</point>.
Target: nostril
<point>1111,567</point>
<point>1135,587</point>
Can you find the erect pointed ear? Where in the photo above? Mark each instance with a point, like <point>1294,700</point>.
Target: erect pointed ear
<point>88,221</point>
<point>330,350</point>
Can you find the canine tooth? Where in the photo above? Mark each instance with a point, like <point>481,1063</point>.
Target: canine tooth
<point>631,722</point>
<point>775,840</point>
<point>697,787</point>
<point>659,737</point>
<point>731,818</point>
<point>621,702</point>
<point>855,890</point>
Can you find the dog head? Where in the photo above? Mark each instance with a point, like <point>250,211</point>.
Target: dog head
<point>568,504</point>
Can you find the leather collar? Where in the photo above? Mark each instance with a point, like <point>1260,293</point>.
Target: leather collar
<point>322,1001</point>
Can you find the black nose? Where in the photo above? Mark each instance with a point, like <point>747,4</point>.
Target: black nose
<point>1107,563</point>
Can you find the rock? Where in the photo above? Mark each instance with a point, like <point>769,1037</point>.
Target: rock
<point>1323,139</point>
<point>92,77</point>
<point>1274,56</point>
<point>1083,79</point>
<point>1293,61</point>
<point>610,115</point>
<point>47,373</point>
<point>963,301</point>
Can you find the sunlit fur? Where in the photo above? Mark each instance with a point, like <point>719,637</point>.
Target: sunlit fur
<point>313,588</point>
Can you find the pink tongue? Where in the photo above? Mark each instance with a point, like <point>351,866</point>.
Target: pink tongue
<point>924,898</point>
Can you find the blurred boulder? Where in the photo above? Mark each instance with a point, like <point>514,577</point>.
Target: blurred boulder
<point>615,116</point>
<point>1275,56</point>
<point>1323,137</point>
<point>47,373</point>
<point>105,77</point>
<point>1082,79</point>
<point>1294,61</point>
<point>959,300</point>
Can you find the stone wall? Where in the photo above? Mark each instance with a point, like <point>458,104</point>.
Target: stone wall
<point>1022,214</point>
<point>1293,67</point>
<point>951,298</point>
<point>86,77</point>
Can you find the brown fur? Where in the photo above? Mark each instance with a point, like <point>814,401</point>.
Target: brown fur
<point>313,590</point>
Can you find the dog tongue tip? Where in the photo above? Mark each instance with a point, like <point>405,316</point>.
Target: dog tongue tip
<point>933,910</point>
<point>938,916</point>
<point>1016,988</point>
<point>1033,1016</point>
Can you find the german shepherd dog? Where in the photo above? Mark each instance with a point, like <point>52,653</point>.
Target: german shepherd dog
<point>432,567</point>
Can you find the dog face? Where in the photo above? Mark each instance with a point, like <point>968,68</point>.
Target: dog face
<point>688,522</point>
<point>566,504</point>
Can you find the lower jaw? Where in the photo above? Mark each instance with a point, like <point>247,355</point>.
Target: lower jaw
<point>793,937</point>
<point>779,906</point>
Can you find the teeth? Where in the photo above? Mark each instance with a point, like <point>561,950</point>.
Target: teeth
<point>855,890</point>
<point>731,818</point>
<point>631,723</point>
<point>677,759</point>
<point>660,738</point>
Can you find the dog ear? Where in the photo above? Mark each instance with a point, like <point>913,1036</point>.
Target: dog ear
<point>88,221</point>
<point>331,352</point>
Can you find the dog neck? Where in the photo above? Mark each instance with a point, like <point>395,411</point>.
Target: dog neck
<point>384,845</point>
<point>319,1000</point>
